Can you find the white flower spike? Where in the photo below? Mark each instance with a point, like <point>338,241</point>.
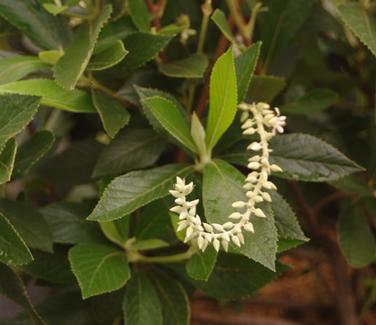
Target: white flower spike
<point>256,118</point>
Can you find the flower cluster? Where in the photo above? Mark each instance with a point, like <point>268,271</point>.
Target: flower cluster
<point>256,119</point>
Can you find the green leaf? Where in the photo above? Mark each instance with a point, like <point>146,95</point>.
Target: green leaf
<point>114,116</point>
<point>32,151</point>
<point>174,299</point>
<point>131,149</point>
<point>245,65</point>
<point>201,264</point>
<point>77,55</point>
<point>314,102</point>
<point>51,94</point>
<point>360,22</point>
<point>108,57</point>
<point>13,249</point>
<point>16,112</point>
<point>54,9</point>
<point>223,98</point>
<point>140,14</point>
<point>285,220</point>
<point>139,54</point>
<point>68,225</point>
<point>169,116</point>
<point>43,29</point>
<point>7,158</point>
<point>141,305</point>
<point>50,57</point>
<point>265,88</point>
<point>220,20</point>
<point>149,244</point>
<point>16,67</point>
<point>237,277</point>
<point>98,268</point>
<point>353,184</point>
<point>29,223</point>
<point>12,286</point>
<point>116,231</point>
<point>222,185</point>
<point>356,239</point>
<point>131,191</point>
<point>193,66</point>
<point>198,135</point>
<point>306,158</point>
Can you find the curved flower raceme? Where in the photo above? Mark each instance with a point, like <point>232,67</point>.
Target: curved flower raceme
<point>256,119</point>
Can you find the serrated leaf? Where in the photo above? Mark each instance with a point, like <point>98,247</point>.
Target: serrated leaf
<point>131,149</point>
<point>13,250</point>
<point>198,135</point>
<point>43,29</point>
<point>223,98</point>
<point>193,66</point>
<point>108,57</point>
<point>245,65</point>
<point>32,151</point>
<point>131,191</point>
<point>29,223</point>
<point>360,22</point>
<point>174,299</point>
<point>140,14</point>
<point>7,158</point>
<point>265,88</point>
<point>355,236</point>
<point>16,112</point>
<point>51,94</point>
<point>116,231</point>
<point>201,264</point>
<point>73,63</point>
<point>237,277</point>
<point>141,304</point>
<point>98,268</point>
<point>169,116</point>
<point>16,67</point>
<point>220,20</point>
<point>114,116</point>
<point>316,101</point>
<point>223,185</point>
<point>12,286</point>
<point>68,225</point>
<point>306,158</point>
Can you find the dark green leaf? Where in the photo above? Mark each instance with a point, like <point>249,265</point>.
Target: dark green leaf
<point>7,158</point>
<point>108,57</point>
<point>98,269</point>
<point>201,264</point>
<point>220,20</point>
<point>116,231</point>
<point>140,14</point>
<point>193,66</point>
<point>265,88</point>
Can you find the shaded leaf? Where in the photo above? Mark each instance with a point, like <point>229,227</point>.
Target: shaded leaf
<point>220,20</point>
<point>7,158</point>
<point>265,88</point>
<point>140,14</point>
<point>193,66</point>
<point>108,57</point>
<point>201,264</point>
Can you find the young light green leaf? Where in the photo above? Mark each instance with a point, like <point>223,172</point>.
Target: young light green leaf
<point>198,135</point>
<point>98,268</point>
<point>169,116</point>
<point>149,244</point>
<point>265,88</point>
<point>42,28</point>
<point>114,116</point>
<point>201,264</point>
<point>68,225</point>
<point>140,14</point>
<point>12,286</point>
<point>50,57</point>
<point>116,231</point>
<point>131,149</point>
<point>32,151</point>
<point>7,158</point>
<point>29,223</point>
<point>131,191</point>
<point>222,185</point>
<point>54,9</point>
<point>141,304</point>
<point>360,22</point>
<point>51,94</point>
<point>13,250</point>
<point>245,65</point>
<point>220,20</point>
<point>193,66</point>
<point>306,158</point>
<point>16,67</point>
<point>355,236</point>
<point>314,102</point>
<point>16,112</point>
<point>223,98</point>
<point>73,63</point>
<point>108,57</point>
